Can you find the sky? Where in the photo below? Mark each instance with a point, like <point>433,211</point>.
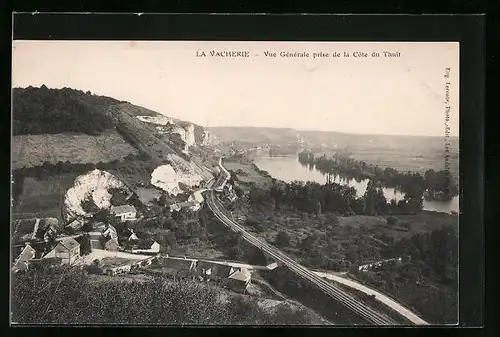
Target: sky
<point>365,95</point>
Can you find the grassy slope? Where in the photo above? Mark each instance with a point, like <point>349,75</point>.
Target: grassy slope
<point>156,301</point>
<point>44,197</point>
<point>34,150</point>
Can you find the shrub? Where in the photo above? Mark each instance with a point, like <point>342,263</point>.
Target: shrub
<point>43,110</point>
<point>392,221</point>
<point>282,239</point>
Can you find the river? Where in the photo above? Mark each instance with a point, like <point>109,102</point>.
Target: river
<point>289,168</point>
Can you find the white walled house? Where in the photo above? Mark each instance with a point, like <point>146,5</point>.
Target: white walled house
<point>21,262</point>
<point>149,247</point>
<point>124,212</point>
<point>67,249</point>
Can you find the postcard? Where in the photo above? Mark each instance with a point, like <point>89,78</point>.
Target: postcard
<point>235,183</point>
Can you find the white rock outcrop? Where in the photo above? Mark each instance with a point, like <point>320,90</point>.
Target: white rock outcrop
<point>190,140</point>
<point>167,177</point>
<point>209,139</point>
<point>159,120</point>
<point>94,185</point>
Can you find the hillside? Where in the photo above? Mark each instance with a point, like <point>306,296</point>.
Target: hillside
<point>49,111</point>
<point>60,134</point>
<point>83,299</point>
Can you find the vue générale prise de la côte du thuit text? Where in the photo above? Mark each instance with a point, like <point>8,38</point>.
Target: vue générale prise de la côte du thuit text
<point>288,54</point>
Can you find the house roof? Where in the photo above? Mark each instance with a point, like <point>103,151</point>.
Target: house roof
<point>176,263</point>
<point>133,236</point>
<point>69,243</point>
<point>45,225</point>
<point>145,243</point>
<point>122,209</point>
<point>27,254</point>
<point>204,265</point>
<point>111,231</point>
<point>241,275</point>
<point>221,270</point>
<point>75,223</point>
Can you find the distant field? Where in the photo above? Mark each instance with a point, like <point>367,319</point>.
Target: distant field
<point>250,174</point>
<point>407,162</point>
<point>44,197</point>
<point>147,195</point>
<point>33,150</point>
<point>358,232</point>
<point>403,159</point>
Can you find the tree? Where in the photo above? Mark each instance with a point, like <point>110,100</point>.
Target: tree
<point>352,255</point>
<point>118,197</point>
<point>308,242</point>
<point>282,239</point>
<point>406,225</point>
<point>318,206</point>
<point>258,258</point>
<point>233,239</point>
<point>162,200</point>
<point>392,221</point>
<point>85,245</point>
<point>106,217</point>
<point>236,253</point>
<point>170,223</point>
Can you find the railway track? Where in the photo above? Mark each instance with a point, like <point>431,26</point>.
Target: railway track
<point>338,294</point>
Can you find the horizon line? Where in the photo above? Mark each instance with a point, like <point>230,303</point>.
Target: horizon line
<point>327,131</point>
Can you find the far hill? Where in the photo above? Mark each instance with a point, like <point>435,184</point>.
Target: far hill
<point>404,153</point>
<point>259,135</point>
<point>282,136</point>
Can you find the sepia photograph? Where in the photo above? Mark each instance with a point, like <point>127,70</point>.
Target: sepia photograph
<point>234,183</point>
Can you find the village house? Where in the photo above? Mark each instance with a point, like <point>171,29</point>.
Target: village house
<point>110,237</point>
<point>129,234</point>
<point>220,271</point>
<point>48,229</point>
<point>67,249</point>
<point>113,266</point>
<point>137,244</point>
<point>36,229</point>
<point>204,268</point>
<point>239,280</point>
<point>191,205</point>
<point>124,212</point>
<point>96,240</point>
<point>214,270</point>
<point>146,246</point>
<point>21,262</point>
<point>229,193</point>
<point>75,224</point>
<point>177,263</point>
